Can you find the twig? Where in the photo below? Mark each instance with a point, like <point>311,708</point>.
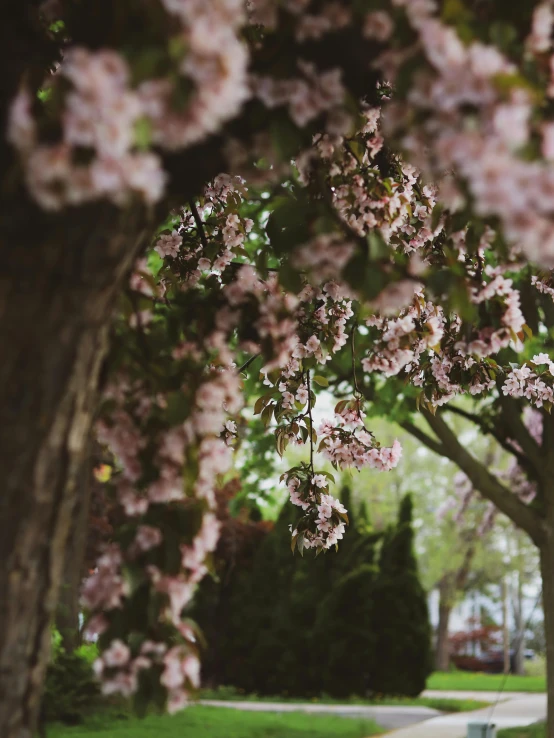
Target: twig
<point>311,421</point>
<point>237,264</point>
<point>246,364</point>
<point>353,343</point>
<point>199,224</point>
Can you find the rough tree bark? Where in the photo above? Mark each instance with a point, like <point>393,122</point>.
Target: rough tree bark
<point>546,550</point>
<point>505,627</point>
<point>67,611</point>
<point>58,284</point>
<point>547,574</point>
<point>60,275</point>
<point>442,650</point>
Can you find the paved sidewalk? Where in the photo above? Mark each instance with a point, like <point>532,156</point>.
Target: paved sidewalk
<point>388,717</point>
<point>491,696</point>
<point>523,709</point>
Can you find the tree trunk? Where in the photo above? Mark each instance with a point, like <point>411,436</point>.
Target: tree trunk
<point>442,649</point>
<point>68,610</point>
<point>505,627</point>
<point>547,574</point>
<point>519,646</point>
<point>59,280</point>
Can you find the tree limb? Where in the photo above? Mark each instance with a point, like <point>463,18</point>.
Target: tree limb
<point>487,428</point>
<point>416,432</point>
<point>512,416</point>
<point>485,482</point>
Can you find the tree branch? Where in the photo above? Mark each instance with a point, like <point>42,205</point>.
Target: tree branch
<point>247,363</point>
<point>485,482</point>
<point>512,416</point>
<point>199,224</point>
<point>486,428</point>
<point>416,432</point>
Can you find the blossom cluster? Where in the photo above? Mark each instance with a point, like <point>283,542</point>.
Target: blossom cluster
<point>534,380</point>
<point>324,519</point>
<point>395,204</point>
<point>543,285</point>
<point>101,115</point>
<point>470,112</point>
<point>322,316</point>
<point>109,123</point>
<point>193,443</point>
<point>306,96</point>
<point>171,431</point>
<point>346,443</point>
<point>443,354</point>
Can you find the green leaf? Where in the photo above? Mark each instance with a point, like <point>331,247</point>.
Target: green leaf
<point>57,26</point>
<point>154,262</point>
<point>354,271</point>
<point>261,402</point>
<point>378,247</point>
<point>287,139</point>
<point>290,278</point>
<point>288,225</point>
<point>339,407</point>
<point>143,133</point>
<point>266,415</point>
<point>321,381</point>
<point>177,47</point>
<point>178,408</point>
<point>436,215</point>
<point>503,35</point>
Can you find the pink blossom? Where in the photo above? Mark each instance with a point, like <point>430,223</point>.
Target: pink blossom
<point>320,480</point>
<point>169,244</point>
<point>378,25</point>
<point>118,654</point>
<point>148,537</point>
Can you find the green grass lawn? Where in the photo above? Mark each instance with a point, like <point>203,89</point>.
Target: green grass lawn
<point>440,703</point>
<point>211,722</point>
<point>538,730</point>
<point>467,680</point>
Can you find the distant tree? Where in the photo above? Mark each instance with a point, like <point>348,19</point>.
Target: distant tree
<point>400,615</point>
<point>346,635</point>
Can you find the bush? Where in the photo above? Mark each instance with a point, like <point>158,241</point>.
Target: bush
<point>70,686</point>
<point>344,636</point>
<point>403,658</point>
<point>287,625</point>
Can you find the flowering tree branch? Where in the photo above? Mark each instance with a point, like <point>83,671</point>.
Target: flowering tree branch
<point>487,484</point>
<point>199,224</point>
<point>431,443</point>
